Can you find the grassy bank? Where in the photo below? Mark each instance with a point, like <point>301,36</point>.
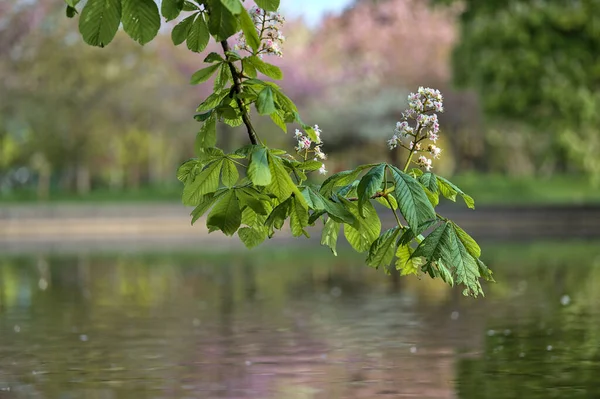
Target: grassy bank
<point>486,189</point>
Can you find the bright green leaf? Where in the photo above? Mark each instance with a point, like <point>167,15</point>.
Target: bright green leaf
<point>468,241</point>
<point>203,74</point>
<point>370,184</point>
<point>198,36</point>
<point>206,182</point>
<point>406,263</point>
<point>207,201</point>
<point>412,200</point>
<point>226,214</point>
<point>266,69</point>
<point>330,234</point>
<point>281,183</point>
<point>99,21</point>
<point>221,23</point>
<point>181,30</point>
<point>252,237</point>
<point>264,102</point>
<point>234,6</point>
<point>258,169</point>
<point>298,218</point>
<point>229,173</point>
<point>383,248</point>
<point>269,5</point>
<point>141,19</point>
<point>249,31</point>
<point>170,9</point>
<point>367,229</point>
<point>207,136</point>
<point>279,121</point>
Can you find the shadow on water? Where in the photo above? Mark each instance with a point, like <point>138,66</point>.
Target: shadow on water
<point>297,323</point>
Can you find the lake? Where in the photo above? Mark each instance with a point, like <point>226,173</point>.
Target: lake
<point>293,321</point>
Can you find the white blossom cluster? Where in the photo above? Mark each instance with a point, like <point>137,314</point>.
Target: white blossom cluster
<point>268,26</point>
<point>423,106</point>
<point>305,143</point>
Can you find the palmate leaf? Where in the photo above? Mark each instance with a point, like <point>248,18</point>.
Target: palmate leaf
<point>412,200</point>
<point>269,5</point>
<point>279,214</point>
<point>221,24</point>
<point>383,248</point>
<point>141,19</point>
<point>266,69</point>
<point>298,218</point>
<point>449,190</point>
<point>207,201</point>
<point>365,230</point>
<point>264,103</point>
<point>258,169</point>
<point>468,241</point>
<point>206,182</point>
<point>229,173</point>
<point>444,248</point>
<point>99,21</point>
<point>204,74</point>
<point>259,203</point>
<point>198,35</point>
<point>180,32</point>
<point>252,237</point>
<point>188,170</point>
<point>226,214</point>
<point>341,179</point>
<point>249,31</point>
<point>170,9</point>
<point>330,234</point>
<point>281,182</point>
<point>406,263</point>
<point>207,135</point>
<point>370,184</point>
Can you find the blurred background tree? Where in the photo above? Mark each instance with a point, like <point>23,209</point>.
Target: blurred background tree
<point>75,118</point>
<point>535,65</point>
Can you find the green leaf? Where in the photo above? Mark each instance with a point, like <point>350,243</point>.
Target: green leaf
<point>234,6</point>
<point>281,183</point>
<point>141,20</point>
<point>207,201</point>
<point>383,201</point>
<point>221,24</point>
<point>486,273</point>
<point>188,170</point>
<point>341,179</point>
<point>437,245</point>
<point>298,218</point>
<point>70,11</point>
<point>429,181</point>
<point>189,6</point>
<point>451,187</point>
<point>412,200</point>
<point>310,165</point>
<point>226,214</point>
<point>383,249</point>
<point>248,68</point>
<point>468,241</point>
<point>266,69</point>
<point>406,263</point>
<point>446,190</point>
<point>269,5</point>
<point>279,121</point>
<point>339,213</point>
<point>181,30</point>
<point>249,31</point>
<point>212,101</point>
<point>330,234</point>
<point>206,182</point>
<point>370,184</point>
<point>465,267</point>
<point>207,136</point>
<point>203,74</point>
<point>170,9</point>
<point>410,235</point>
<point>257,202</point>
<point>99,21</point>
<point>313,198</point>
<point>259,171</point>
<point>223,77</point>
<point>198,36</point>
<point>264,103</point>
<point>252,237</point>
<point>367,229</point>
<point>229,173</point>
<point>279,214</point>
<point>213,57</point>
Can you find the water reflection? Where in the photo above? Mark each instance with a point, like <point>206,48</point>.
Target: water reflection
<point>296,324</point>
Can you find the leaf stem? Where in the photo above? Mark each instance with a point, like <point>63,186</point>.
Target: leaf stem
<point>237,87</point>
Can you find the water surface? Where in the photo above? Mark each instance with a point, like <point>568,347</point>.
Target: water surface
<point>297,324</point>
